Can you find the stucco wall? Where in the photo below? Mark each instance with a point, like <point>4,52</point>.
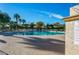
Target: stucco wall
<point>72,12</point>
<point>70,47</point>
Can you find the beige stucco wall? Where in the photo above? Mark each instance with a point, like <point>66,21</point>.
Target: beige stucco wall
<point>72,12</point>
<point>70,47</point>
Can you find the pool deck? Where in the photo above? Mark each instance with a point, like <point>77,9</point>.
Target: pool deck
<point>32,45</point>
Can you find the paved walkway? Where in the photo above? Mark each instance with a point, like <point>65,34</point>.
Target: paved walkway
<point>37,45</point>
<point>3,53</point>
<point>2,42</point>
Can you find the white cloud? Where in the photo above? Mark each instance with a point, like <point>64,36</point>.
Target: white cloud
<point>45,12</point>
<point>56,15</point>
<point>52,14</point>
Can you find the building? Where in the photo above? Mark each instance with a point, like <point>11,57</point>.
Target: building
<point>72,31</point>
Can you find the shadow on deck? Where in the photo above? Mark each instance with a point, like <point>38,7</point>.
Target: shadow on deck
<point>46,44</point>
<point>2,41</point>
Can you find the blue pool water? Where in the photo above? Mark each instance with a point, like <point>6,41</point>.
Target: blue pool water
<point>38,33</point>
<point>33,33</point>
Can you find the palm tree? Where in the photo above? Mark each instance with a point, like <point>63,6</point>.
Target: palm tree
<point>20,20</point>
<point>23,21</point>
<point>17,17</point>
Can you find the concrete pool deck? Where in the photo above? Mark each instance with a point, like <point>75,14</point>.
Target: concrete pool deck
<point>33,45</point>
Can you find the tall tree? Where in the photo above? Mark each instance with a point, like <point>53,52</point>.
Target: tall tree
<point>32,25</point>
<point>39,25</point>
<point>23,21</point>
<point>57,26</point>
<point>20,20</point>
<point>17,17</point>
<point>4,19</point>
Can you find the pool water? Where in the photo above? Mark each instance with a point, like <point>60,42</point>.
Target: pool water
<point>32,33</point>
<point>38,33</point>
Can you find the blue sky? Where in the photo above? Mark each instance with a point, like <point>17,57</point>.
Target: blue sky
<point>34,12</point>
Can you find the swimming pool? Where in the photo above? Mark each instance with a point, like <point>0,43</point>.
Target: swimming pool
<point>34,33</point>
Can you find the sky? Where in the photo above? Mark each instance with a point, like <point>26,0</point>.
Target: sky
<point>33,12</point>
